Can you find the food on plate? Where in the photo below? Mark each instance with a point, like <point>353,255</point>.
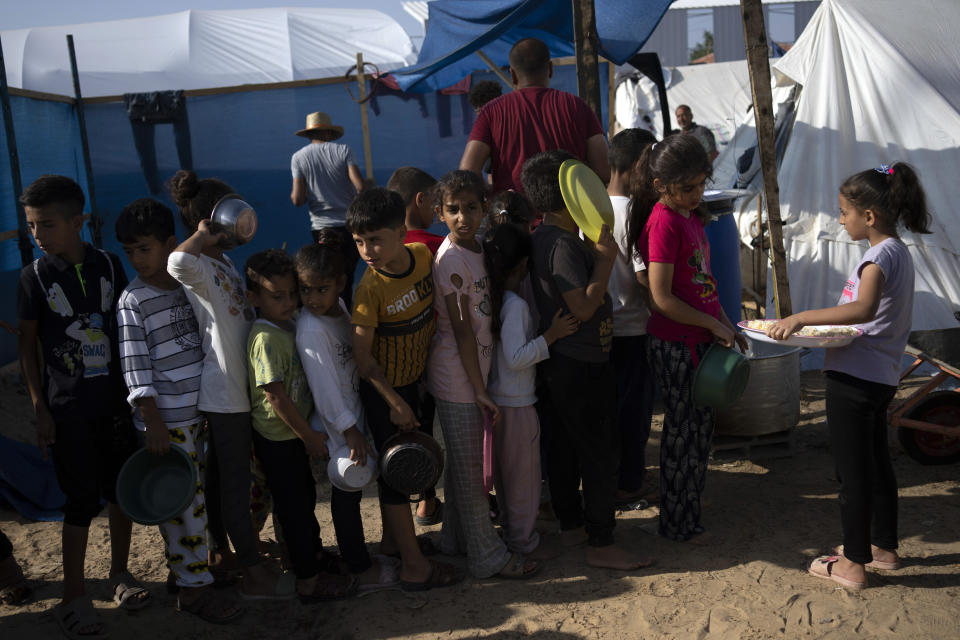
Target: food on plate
<point>812,331</point>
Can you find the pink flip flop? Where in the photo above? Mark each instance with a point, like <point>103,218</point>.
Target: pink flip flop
<point>822,567</point>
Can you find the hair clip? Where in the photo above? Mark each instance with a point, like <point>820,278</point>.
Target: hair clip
<point>884,169</point>
<point>503,212</point>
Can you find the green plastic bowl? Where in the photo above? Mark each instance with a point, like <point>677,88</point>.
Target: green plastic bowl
<point>152,489</point>
<point>721,377</point>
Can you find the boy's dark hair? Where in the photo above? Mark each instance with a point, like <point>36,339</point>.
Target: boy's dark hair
<point>144,217</point>
<point>674,160</point>
<point>267,264</point>
<point>324,258</point>
<point>53,189</point>
<point>626,147</point>
<point>483,92</point>
<point>195,197</point>
<point>457,181</point>
<point>530,58</point>
<point>894,194</point>
<point>504,247</point>
<point>540,182</point>
<point>409,181</point>
<point>374,209</point>
<point>510,207</point>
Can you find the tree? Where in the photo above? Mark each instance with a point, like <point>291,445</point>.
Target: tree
<point>704,47</point>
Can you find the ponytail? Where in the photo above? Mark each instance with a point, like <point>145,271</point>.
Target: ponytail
<point>642,197</point>
<point>504,247</point>
<point>893,193</point>
<point>324,258</point>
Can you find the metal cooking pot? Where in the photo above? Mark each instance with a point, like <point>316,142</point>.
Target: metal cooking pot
<point>234,218</point>
<point>411,462</point>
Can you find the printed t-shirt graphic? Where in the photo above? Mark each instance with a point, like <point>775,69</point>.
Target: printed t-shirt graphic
<point>400,307</point>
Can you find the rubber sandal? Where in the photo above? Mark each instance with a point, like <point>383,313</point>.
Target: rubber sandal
<point>389,576</point>
<point>14,589</point>
<point>822,567</point>
<point>434,518</point>
<point>209,605</point>
<point>126,590</point>
<point>79,614</point>
<point>285,588</point>
<point>516,568</point>
<point>330,587</point>
<point>441,575</point>
<point>425,542</point>
<point>875,564</point>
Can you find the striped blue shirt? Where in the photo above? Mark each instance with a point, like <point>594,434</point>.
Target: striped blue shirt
<point>160,352</point>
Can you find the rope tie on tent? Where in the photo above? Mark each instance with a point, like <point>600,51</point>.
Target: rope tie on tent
<point>373,87</point>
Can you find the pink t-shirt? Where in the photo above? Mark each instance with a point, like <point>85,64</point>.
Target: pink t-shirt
<point>670,238</point>
<point>446,377</point>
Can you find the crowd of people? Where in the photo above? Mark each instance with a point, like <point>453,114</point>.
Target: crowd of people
<point>511,324</point>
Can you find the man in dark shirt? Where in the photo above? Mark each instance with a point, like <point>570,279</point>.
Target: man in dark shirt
<point>689,127</point>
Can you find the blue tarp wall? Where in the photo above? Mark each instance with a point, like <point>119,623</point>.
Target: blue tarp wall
<point>244,138</point>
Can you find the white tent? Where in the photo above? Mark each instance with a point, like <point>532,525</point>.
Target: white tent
<point>880,83</point>
<point>204,49</point>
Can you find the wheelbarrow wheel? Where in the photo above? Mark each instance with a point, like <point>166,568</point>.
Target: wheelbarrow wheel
<point>943,408</point>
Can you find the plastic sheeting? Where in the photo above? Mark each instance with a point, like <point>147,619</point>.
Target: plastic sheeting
<point>881,83</point>
<point>204,49</point>
<point>458,28</point>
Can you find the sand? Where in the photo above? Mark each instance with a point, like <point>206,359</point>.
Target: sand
<point>773,515</point>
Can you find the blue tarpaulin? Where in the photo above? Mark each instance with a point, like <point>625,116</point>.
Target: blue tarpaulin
<point>458,28</point>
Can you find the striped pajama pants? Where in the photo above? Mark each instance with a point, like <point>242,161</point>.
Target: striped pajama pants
<point>466,516</point>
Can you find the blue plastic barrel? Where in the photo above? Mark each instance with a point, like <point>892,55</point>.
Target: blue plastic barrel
<point>725,263</point>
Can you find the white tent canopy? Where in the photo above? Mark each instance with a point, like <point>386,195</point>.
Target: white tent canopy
<point>204,49</point>
<point>881,83</point>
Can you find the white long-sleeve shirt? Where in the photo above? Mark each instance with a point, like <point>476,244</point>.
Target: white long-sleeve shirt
<point>325,346</point>
<point>513,377</point>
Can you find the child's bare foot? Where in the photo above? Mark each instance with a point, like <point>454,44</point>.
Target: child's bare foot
<point>260,582</point>
<point>613,557</point>
<point>573,537</point>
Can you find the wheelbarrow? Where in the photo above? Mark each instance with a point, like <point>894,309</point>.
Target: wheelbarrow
<point>928,421</point>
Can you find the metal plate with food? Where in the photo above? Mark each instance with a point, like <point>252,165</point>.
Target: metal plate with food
<point>820,335</point>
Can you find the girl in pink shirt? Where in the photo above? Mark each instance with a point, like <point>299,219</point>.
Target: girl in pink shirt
<point>457,370</point>
<point>666,228</point>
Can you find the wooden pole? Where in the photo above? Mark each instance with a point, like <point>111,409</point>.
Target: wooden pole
<point>611,97</point>
<point>364,117</point>
<point>26,247</point>
<point>95,221</point>
<point>504,78</point>
<point>756,40</point>
<point>585,42</point>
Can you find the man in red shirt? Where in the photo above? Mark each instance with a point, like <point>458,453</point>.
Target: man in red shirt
<point>530,119</point>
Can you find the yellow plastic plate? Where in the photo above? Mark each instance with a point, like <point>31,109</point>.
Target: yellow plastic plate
<point>586,198</point>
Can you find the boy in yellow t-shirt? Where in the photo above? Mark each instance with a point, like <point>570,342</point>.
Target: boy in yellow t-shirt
<point>393,324</point>
<point>282,438</point>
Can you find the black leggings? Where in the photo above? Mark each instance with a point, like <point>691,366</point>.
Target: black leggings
<point>290,479</point>
<point>857,420</point>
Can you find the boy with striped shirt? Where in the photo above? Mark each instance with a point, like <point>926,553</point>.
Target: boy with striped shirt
<point>161,358</point>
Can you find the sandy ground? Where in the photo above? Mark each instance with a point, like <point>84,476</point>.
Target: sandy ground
<point>772,513</point>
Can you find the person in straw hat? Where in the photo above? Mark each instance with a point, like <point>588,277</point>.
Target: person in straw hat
<point>326,175</point>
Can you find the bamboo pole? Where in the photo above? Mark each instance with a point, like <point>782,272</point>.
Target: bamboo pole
<point>611,97</point>
<point>26,247</point>
<point>757,60</point>
<point>364,117</point>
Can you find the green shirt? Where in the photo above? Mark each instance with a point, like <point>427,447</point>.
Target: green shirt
<point>272,357</point>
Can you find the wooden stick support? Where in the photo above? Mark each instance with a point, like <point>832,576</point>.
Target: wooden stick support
<point>611,97</point>
<point>504,78</point>
<point>364,117</point>
<point>756,40</point>
<point>585,43</point>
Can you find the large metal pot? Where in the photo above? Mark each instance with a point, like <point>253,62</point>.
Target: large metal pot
<point>771,401</point>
